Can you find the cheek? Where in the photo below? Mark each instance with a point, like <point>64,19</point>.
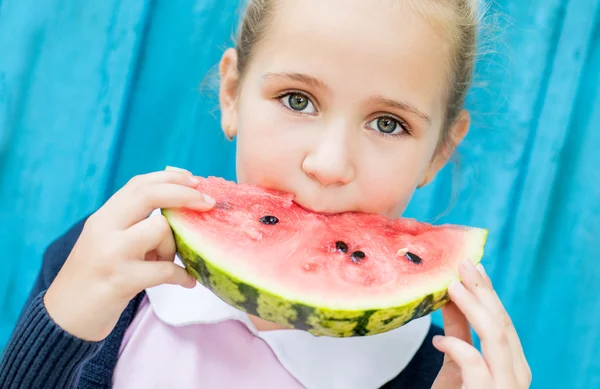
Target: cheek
<point>272,145</point>
<point>269,148</point>
<point>389,176</point>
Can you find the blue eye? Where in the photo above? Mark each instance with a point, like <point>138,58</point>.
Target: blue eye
<point>387,125</point>
<point>298,102</point>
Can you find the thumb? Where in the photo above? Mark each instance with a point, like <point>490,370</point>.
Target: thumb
<point>455,323</point>
<point>149,274</point>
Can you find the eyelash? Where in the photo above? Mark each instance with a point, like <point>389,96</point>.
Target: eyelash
<point>399,122</point>
<point>290,93</point>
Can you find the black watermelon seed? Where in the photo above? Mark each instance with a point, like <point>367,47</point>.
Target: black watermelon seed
<point>269,220</point>
<point>341,246</point>
<point>357,256</point>
<point>414,258</point>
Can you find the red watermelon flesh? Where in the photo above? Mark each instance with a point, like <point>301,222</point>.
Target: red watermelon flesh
<point>295,263</point>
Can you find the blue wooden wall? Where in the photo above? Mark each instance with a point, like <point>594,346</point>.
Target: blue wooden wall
<point>93,92</point>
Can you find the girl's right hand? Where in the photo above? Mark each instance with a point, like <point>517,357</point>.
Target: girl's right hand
<point>121,252</point>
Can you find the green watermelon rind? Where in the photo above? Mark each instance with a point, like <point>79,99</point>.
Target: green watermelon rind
<point>316,319</point>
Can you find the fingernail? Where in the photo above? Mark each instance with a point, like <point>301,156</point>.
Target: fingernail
<point>481,270</point>
<point>209,200</point>
<point>467,264</point>
<point>180,170</point>
<point>437,340</point>
<point>455,287</point>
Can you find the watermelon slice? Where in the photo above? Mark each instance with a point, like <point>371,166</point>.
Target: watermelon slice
<point>349,274</point>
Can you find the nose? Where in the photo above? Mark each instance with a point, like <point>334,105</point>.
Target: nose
<point>330,161</point>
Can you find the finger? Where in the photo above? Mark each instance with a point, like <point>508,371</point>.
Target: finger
<point>173,168</point>
<point>476,280</point>
<point>166,249</point>
<point>108,211</point>
<point>493,302</point>
<point>137,205</point>
<point>169,176</point>
<point>481,287</point>
<point>494,339</point>
<point>151,274</point>
<point>151,234</point>
<point>474,371</point>
<point>455,323</point>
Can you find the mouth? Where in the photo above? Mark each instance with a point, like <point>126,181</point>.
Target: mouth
<point>318,211</point>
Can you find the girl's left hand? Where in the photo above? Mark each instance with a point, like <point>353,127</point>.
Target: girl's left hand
<point>502,363</point>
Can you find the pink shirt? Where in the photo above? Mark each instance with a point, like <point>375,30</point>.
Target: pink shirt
<point>189,338</point>
<point>218,355</point>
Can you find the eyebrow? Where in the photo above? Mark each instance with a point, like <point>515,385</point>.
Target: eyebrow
<point>381,100</point>
<point>401,106</point>
<point>304,78</point>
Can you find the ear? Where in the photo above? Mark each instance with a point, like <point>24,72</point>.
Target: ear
<point>456,134</point>
<point>228,92</point>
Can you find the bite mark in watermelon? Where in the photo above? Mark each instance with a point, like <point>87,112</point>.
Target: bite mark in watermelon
<point>350,274</point>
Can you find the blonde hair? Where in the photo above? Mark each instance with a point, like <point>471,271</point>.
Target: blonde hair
<point>455,19</point>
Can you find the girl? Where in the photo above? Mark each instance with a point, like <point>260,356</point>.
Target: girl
<point>348,104</point>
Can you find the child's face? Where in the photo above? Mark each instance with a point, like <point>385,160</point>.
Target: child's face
<point>342,104</point>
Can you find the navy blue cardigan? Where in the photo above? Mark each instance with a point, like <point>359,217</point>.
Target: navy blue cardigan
<point>41,355</point>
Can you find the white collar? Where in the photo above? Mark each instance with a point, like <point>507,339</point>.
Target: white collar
<point>316,362</point>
